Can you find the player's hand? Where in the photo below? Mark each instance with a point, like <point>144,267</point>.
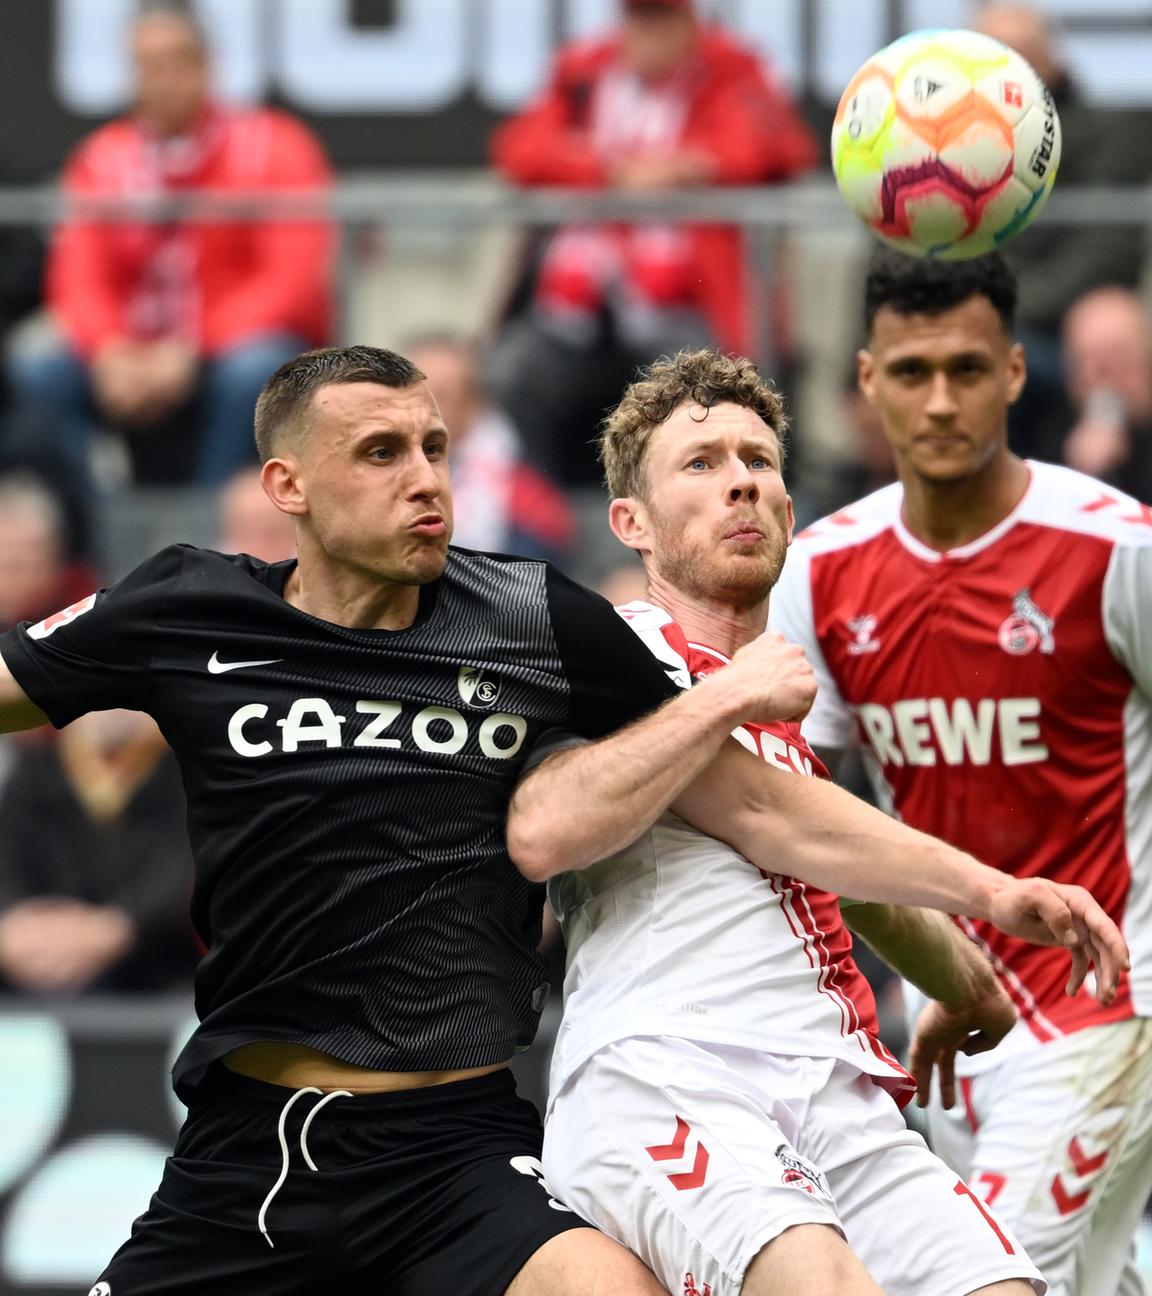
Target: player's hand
<point>1051,913</point>
<point>774,678</point>
<point>943,1032</point>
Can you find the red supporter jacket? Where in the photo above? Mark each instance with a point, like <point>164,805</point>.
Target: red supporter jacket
<point>737,116</point>
<point>234,279</point>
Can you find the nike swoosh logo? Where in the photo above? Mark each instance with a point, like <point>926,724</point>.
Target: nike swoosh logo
<point>217,667</point>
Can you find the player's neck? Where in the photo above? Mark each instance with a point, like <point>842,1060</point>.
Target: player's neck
<point>712,622</point>
<point>353,598</point>
<point>946,515</point>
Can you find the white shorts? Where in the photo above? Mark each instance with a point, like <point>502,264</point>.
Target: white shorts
<point>1058,1138</point>
<point>695,1157</point>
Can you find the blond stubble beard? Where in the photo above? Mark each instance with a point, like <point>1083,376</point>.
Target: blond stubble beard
<point>744,582</point>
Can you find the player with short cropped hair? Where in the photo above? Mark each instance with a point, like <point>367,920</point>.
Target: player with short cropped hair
<point>984,628</point>
<point>350,727</point>
<point>719,1098</point>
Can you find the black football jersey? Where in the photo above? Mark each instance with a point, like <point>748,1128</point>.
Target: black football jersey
<point>347,789</point>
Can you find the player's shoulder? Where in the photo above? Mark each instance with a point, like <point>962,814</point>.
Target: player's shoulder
<point>186,569</point>
<point>486,587</point>
<point>643,616</point>
<point>1066,500</point>
<point>663,638</point>
<point>500,576</point>
<point>854,525</point>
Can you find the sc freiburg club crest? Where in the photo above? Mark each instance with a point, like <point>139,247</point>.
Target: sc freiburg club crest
<point>477,687</point>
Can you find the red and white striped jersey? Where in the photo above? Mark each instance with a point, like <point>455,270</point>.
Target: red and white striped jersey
<point>681,935</point>
<point>1002,694</point>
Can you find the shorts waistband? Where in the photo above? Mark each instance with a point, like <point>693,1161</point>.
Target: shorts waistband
<point>219,1081</point>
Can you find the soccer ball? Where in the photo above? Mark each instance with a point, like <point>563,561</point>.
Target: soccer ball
<point>946,144</point>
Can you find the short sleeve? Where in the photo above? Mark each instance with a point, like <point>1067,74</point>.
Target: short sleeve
<point>613,678</point>
<point>1127,611</point>
<point>96,655</point>
<point>550,743</point>
<point>828,726</point>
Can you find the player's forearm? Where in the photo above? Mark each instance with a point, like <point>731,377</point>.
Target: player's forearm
<point>587,803</point>
<point>815,831</point>
<point>927,949</point>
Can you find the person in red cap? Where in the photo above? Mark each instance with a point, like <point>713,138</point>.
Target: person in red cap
<point>663,102</point>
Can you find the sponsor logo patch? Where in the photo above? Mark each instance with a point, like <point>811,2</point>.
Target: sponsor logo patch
<point>44,628</point>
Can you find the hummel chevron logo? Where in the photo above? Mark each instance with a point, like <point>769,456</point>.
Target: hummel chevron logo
<point>677,1150</point>
<point>217,667</point>
<point>1083,1167</point>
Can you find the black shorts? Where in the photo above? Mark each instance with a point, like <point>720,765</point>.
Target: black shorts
<point>424,1192</point>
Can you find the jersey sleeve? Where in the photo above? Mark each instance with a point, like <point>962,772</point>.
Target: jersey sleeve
<point>613,678</point>
<point>97,654</point>
<point>1127,611</point>
<point>828,725</point>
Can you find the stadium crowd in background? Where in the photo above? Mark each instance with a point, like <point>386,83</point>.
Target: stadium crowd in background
<point>167,330</point>
<point>1057,264</point>
<point>95,865</point>
<point>504,504</point>
<point>1108,369</point>
<point>665,102</point>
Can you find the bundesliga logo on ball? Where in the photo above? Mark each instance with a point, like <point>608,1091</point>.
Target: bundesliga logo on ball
<point>946,144</point>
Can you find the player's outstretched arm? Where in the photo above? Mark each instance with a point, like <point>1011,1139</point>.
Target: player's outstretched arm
<point>971,1012</point>
<point>584,804</point>
<point>17,711</point>
<point>820,833</point>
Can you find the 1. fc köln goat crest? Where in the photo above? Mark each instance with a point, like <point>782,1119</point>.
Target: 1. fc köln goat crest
<point>1027,628</point>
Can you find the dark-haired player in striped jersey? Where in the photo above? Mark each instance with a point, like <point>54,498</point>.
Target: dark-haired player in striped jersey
<point>350,727</point>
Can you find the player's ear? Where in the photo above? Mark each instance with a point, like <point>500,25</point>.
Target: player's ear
<point>791,518</point>
<point>281,481</point>
<point>630,524</point>
<point>1017,372</point>
<point>866,374</point>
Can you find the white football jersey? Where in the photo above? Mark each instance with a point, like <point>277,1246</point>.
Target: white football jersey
<point>681,935</point>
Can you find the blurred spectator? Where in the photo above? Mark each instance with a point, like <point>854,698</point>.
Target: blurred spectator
<point>663,103</point>
<point>250,523</point>
<point>1057,264</point>
<point>36,576</point>
<point>501,504</point>
<point>31,443</point>
<point>1108,363</point>
<point>95,866</point>
<point>169,329</point>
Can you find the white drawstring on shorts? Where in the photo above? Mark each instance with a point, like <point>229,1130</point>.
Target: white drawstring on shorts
<point>327,1098</point>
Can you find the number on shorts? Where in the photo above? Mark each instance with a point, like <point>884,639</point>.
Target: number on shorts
<point>993,1184</point>
<point>962,1190</point>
